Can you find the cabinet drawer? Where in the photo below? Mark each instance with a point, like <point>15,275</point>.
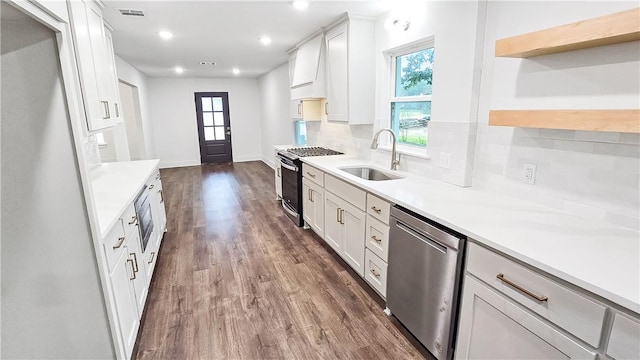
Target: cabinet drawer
<point>570,310</point>
<point>129,220</point>
<point>624,342</point>
<point>377,238</point>
<point>114,244</point>
<point>348,192</point>
<point>313,174</point>
<point>375,273</point>
<point>378,208</point>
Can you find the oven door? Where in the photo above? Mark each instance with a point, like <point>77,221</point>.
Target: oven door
<point>291,189</point>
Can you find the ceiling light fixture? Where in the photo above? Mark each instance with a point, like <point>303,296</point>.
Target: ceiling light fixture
<point>236,71</point>
<point>300,4</point>
<point>265,40</point>
<point>179,70</point>
<point>165,35</point>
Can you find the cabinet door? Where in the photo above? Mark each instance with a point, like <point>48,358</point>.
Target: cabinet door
<point>353,224</point>
<point>115,107</point>
<point>494,327</point>
<point>337,73</point>
<point>278,179</point>
<point>332,226</point>
<point>140,283</point>
<point>308,210</point>
<point>90,47</point>
<point>125,302</point>
<point>317,203</point>
<point>296,109</point>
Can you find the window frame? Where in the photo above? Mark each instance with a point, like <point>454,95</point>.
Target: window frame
<point>391,56</point>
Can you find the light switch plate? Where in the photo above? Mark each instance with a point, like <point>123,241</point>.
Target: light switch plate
<point>529,174</point>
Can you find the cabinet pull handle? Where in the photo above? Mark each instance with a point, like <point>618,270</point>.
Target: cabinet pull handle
<point>300,108</point>
<point>161,196</point>
<point>376,209</point>
<point>133,272</point>
<point>341,216</point>
<point>135,261</point>
<point>105,107</point>
<point>278,172</point>
<point>312,175</point>
<point>133,220</point>
<point>326,108</point>
<point>120,241</point>
<point>151,187</point>
<point>376,239</point>
<point>375,273</point>
<point>338,215</point>
<point>153,254</point>
<point>540,298</point>
<point>311,190</point>
<point>117,111</point>
<point>158,177</point>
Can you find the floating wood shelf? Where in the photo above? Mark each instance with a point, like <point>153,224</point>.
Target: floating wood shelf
<point>604,30</point>
<point>627,121</point>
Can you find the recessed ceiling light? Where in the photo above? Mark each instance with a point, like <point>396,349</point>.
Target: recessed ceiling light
<point>300,4</point>
<point>179,70</point>
<point>165,35</point>
<point>236,71</point>
<point>265,40</point>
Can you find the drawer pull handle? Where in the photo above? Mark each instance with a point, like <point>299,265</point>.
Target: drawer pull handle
<point>133,220</point>
<point>153,254</point>
<point>376,209</point>
<point>133,272</point>
<point>376,239</point>
<point>120,241</point>
<point>375,273</point>
<point>151,187</point>
<point>540,298</point>
<point>312,175</point>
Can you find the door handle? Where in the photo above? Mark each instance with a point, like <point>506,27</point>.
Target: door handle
<point>311,191</point>
<point>105,107</point>
<point>133,272</point>
<point>300,108</point>
<point>338,215</point>
<point>117,111</point>
<point>135,261</point>
<point>342,216</point>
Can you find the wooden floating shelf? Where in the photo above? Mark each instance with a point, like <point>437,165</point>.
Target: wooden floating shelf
<point>604,30</point>
<point>627,121</point>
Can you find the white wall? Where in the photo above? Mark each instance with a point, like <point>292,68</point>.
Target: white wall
<point>275,98</point>
<point>52,301</point>
<point>174,118</point>
<point>129,99</point>
<point>130,75</point>
<point>591,174</point>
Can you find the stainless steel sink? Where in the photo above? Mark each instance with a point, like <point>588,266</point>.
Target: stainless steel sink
<point>368,173</point>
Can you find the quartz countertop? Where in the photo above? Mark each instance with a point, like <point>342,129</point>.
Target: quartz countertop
<point>600,258</point>
<point>115,187</point>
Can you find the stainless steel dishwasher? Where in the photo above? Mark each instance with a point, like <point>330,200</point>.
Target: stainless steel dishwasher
<point>423,280</point>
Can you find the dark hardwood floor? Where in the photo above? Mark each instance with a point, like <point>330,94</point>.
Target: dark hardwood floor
<point>236,279</point>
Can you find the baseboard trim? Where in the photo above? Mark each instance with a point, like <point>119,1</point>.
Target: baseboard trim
<point>246,158</point>
<point>175,164</point>
<point>269,163</point>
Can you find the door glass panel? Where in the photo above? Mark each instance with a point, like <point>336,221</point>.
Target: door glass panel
<point>219,133</point>
<point>206,104</point>
<point>209,134</point>
<point>219,118</point>
<point>207,118</point>
<point>217,104</point>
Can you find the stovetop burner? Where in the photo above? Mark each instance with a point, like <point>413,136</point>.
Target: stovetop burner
<point>312,151</point>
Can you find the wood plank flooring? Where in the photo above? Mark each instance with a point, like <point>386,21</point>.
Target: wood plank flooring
<point>236,279</point>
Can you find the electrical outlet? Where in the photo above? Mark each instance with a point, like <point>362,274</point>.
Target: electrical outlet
<point>529,174</point>
<point>445,160</point>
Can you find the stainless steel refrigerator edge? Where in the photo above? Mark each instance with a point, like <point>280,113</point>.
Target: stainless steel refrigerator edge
<point>425,270</point>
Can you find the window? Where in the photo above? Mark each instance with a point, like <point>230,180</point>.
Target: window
<point>411,81</point>
<point>299,133</point>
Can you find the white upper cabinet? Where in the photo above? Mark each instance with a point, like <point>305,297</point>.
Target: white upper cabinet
<point>351,72</point>
<point>95,64</point>
<point>114,91</point>
<point>308,80</point>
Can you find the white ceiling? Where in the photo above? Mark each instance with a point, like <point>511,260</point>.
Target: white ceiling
<point>226,32</point>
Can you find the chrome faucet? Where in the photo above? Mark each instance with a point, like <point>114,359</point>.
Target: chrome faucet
<point>395,158</point>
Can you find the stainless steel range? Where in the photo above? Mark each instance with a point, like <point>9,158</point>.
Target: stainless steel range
<point>291,176</point>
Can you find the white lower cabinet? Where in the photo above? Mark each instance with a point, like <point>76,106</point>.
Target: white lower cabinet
<point>624,342</point>
<point>140,283</point>
<point>492,326</point>
<point>375,273</point>
<point>125,302</point>
<point>344,230</point>
<point>313,206</point>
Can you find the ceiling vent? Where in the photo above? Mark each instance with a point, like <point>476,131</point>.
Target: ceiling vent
<point>129,12</point>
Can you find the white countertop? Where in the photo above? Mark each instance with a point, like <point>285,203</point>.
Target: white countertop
<point>599,258</point>
<point>115,187</point>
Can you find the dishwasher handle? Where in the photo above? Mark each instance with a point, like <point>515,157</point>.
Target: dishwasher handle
<point>424,226</point>
<point>425,239</point>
